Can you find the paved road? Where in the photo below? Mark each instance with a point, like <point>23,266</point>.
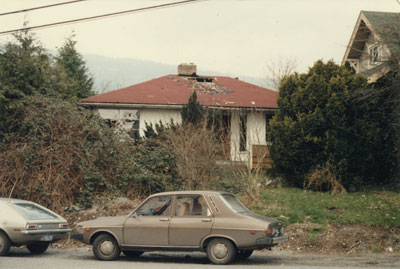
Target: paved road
<point>83,258</point>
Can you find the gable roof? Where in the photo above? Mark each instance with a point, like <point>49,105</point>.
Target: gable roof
<point>384,24</point>
<point>170,90</point>
<point>387,26</point>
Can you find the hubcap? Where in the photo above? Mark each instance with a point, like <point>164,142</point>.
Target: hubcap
<point>107,248</point>
<point>220,251</point>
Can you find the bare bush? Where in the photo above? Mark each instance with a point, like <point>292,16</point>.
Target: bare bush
<point>324,178</point>
<point>196,150</point>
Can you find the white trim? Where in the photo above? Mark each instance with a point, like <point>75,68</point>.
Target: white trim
<point>164,106</point>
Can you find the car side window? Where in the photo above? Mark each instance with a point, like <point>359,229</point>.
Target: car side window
<point>156,206</point>
<point>191,205</point>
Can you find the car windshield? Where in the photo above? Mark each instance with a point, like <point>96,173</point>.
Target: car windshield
<point>32,211</point>
<point>234,203</point>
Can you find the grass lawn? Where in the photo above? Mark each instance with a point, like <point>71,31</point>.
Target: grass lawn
<point>292,205</point>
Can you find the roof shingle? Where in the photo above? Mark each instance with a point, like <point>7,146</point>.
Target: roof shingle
<point>175,90</point>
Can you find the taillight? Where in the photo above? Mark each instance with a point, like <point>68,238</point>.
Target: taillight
<point>31,227</point>
<point>270,231</point>
<point>63,226</point>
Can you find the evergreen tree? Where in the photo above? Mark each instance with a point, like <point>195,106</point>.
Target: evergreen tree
<point>71,72</point>
<point>322,121</point>
<point>193,112</point>
<point>24,70</point>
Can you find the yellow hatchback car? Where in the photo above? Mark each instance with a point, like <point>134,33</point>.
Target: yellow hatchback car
<point>214,222</point>
<point>27,223</point>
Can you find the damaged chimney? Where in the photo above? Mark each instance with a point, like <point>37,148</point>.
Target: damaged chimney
<point>187,69</point>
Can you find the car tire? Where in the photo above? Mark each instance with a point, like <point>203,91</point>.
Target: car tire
<point>5,244</point>
<point>132,253</point>
<point>37,248</point>
<point>106,248</point>
<point>221,251</point>
<point>243,254</point>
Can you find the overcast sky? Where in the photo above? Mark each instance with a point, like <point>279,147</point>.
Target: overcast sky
<point>238,37</point>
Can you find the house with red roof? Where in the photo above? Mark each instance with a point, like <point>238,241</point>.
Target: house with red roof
<point>247,108</point>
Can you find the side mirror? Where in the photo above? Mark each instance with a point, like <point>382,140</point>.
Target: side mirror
<point>134,215</point>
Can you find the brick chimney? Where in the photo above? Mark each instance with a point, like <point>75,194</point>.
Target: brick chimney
<point>187,69</point>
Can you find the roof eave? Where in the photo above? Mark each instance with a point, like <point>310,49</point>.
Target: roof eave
<point>165,106</point>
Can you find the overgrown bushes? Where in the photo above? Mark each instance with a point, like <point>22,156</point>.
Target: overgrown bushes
<point>59,154</point>
<point>321,119</point>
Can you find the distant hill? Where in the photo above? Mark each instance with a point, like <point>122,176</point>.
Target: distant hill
<point>114,73</point>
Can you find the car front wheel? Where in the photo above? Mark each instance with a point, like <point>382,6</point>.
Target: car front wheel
<point>37,248</point>
<point>5,244</point>
<point>105,248</point>
<point>221,251</point>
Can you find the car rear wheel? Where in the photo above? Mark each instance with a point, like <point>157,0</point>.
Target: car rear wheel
<point>221,251</point>
<point>243,254</point>
<point>5,244</point>
<point>105,248</point>
<point>37,248</point>
<point>132,253</point>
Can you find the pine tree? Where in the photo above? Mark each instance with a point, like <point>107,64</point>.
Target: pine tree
<point>193,112</point>
<point>72,73</point>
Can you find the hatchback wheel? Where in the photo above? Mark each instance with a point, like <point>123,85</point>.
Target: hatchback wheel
<point>105,248</point>
<point>243,254</point>
<point>132,253</point>
<point>5,244</point>
<point>37,248</point>
<point>221,251</point>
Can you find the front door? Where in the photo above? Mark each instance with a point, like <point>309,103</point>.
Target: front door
<point>149,224</point>
<point>191,222</point>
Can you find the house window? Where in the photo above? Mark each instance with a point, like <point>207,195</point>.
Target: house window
<point>242,133</point>
<point>134,132</point>
<point>268,117</point>
<point>374,55</point>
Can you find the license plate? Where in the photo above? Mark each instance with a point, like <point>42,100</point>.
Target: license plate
<point>47,237</point>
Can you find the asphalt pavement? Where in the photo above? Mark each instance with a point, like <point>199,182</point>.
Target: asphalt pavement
<point>20,258</point>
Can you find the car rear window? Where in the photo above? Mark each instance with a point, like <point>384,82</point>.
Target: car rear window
<point>234,203</point>
<point>32,211</point>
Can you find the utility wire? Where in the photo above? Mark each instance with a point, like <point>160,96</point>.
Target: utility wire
<point>34,8</point>
<point>100,16</point>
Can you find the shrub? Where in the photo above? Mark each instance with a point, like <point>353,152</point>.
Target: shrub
<point>321,119</point>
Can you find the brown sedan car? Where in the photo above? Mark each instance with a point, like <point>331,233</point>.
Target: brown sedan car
<point>214,222</point>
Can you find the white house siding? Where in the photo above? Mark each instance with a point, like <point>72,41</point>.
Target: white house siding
<point>125,118</point>
<point>384,53</point>
<point>154,116</point>
<point>122,117</point>
<point>255,127</point>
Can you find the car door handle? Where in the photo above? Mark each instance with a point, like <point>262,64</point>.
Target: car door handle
<point>164,219</point>
<point>206,220</point>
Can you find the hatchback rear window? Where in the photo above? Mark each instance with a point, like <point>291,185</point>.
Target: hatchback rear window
<point>234,203</point>
<point>32,211</point>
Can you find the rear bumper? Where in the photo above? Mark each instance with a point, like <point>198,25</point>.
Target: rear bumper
<point>267,242</point>
<point>29,237</point>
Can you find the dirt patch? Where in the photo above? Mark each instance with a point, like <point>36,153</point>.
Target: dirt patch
<point>341,239</point>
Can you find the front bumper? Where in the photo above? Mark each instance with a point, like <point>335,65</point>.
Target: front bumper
<point>76,236</point>
<point>271,241</point>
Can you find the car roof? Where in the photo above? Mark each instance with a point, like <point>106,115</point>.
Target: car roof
<point>189,192</point>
